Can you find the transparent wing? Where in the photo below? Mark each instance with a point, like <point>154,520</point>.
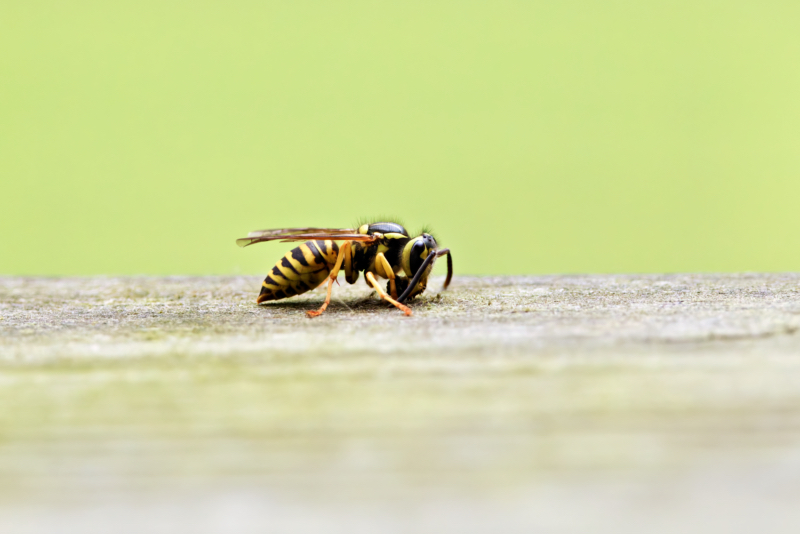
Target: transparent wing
<point>307,230</point>
<point>303,234</point>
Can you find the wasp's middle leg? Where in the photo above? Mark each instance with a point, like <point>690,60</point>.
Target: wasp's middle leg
<point>344,249</point>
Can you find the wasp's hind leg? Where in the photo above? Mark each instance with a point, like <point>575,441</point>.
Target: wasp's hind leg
<point>344,249</point>
<point>374,283</point>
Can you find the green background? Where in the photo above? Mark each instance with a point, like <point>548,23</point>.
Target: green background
<point>534,137</point>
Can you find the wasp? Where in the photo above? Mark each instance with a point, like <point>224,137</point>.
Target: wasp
<point>380,250</point>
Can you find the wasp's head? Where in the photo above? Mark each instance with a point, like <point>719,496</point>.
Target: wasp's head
<point>417,262</point>
<point>414,254</point>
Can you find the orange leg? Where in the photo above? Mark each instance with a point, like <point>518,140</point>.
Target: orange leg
<point>385,296</point>
<point>343,250</point>
<point>388,272</point>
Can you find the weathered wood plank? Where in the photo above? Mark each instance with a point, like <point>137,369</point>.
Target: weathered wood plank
<point>509,404</point>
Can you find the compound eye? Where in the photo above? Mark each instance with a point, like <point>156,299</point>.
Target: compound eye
<point>417,255</point>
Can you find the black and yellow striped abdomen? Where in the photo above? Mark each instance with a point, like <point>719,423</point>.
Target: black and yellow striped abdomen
<point>303,268</point>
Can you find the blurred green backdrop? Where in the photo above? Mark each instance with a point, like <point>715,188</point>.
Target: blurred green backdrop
<point>533,136</point>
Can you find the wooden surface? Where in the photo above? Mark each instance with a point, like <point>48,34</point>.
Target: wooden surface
<point>507,404</point>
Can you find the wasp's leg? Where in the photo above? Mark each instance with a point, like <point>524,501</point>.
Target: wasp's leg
<point>442,252</point>
<point>388,272</point>
<point>384,295</point>
<point>344,248</point>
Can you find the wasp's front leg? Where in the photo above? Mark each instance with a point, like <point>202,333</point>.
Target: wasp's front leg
<point>384,269</point>
<point>374,283</point>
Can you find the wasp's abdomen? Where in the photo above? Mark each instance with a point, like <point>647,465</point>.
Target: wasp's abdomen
<point>303,268</point>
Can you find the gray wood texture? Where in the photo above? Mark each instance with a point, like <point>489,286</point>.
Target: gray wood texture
<point>615,403</point>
